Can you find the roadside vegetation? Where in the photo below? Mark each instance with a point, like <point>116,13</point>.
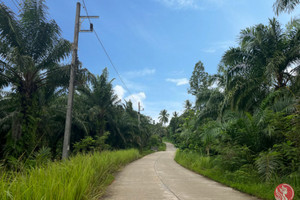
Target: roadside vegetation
<point>245,179</point>
<point>243,130</point>
<point>84,176</point>
<point>34,77</point>
<point>33,96</point>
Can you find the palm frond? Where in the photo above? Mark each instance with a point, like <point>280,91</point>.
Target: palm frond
<point>285,6</point>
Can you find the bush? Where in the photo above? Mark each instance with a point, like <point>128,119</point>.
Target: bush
<point>268,163</point>
<point>88,144</point>
<point>154,141</point>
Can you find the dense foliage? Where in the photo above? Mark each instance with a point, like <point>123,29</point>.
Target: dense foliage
<point>246,117</point>
<point>33,95</point>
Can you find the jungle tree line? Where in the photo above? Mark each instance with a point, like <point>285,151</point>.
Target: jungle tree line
<point>246,116</point>
<point>33,88</point>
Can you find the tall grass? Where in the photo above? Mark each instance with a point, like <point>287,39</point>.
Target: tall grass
<point>193,160</point>
<point>245,179</point>
<point>81,177</point>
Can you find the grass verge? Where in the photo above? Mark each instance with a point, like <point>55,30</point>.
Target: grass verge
<point>244,180</point>
<point>162,147</point>
<point>80,177</point>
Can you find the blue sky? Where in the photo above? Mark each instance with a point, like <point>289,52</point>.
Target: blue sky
<point>155,44</point>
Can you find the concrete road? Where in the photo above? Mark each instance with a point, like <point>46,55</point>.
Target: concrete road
<point>158,177</point>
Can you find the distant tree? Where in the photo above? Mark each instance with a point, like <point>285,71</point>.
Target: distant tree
<point>174,123</point>
<point>175,114</point>
<point>285,6</point>
<point>188,105</point>
<point>163,116</point>
<point>199,79</point>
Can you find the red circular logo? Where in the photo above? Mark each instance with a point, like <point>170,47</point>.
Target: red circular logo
<point>284,192</point>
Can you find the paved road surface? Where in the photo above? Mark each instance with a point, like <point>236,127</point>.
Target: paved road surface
<point>158,177</point>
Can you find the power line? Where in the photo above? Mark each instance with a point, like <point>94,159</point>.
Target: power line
<point>16,4</point>
<point>106,53</point>
<point>112,63</point>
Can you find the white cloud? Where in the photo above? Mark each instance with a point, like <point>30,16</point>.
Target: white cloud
<point>120,91</point>
<point>140,73</point>
<point>180,4</point>
<point>136,98</point>
<point>179,81</point>
<point>177,73</point>
<point>193,4</point>
<point>223,45</point>
<point>209,50</point>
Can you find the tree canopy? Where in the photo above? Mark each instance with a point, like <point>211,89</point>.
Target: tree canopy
<point>33,84</point>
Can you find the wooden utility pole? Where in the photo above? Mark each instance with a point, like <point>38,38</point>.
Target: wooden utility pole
<point>66,145</point>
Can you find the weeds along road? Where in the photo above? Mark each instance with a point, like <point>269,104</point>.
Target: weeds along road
<point>158,177</point>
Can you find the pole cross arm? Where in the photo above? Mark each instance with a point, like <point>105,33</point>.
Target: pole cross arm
<point>90,17</point>
<point>91,25</point>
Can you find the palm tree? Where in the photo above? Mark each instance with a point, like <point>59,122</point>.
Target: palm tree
<point>212,130</point>
<point>175,114</point>
<point>188,105</point>
<point>209,104</point>
<point>261,62</point>
<point>101,100</point>
<point>285,6</point>
<point>163,116</point>
<point>278,48</point>
<point>31,49</point>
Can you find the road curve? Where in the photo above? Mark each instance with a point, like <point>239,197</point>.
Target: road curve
<point>158,177</point>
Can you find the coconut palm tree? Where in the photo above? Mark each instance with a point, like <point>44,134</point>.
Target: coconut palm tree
<point>163,116</point>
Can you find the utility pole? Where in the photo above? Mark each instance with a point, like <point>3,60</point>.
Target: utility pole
<point>74,65</point>
<point>139,114</point>
<point>66,146</point>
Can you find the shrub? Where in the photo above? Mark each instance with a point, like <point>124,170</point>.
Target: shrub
<point>268,164</point>
<point>90,144</point>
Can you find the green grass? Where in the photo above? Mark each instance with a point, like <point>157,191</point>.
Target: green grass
<point>165,139</point>
<point>244,180</point>
<point>162,147</point>
<point>80,177</point>
<point>147,151</point>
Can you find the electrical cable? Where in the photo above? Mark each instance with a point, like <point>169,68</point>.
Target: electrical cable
<point>16,4</point>
<point>106,53</point>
